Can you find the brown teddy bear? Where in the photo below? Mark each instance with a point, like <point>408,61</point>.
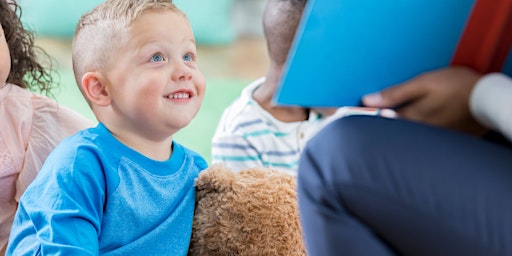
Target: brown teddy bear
<point>252,212</point>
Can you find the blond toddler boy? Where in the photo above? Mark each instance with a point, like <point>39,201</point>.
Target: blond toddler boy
<point>124,187</point>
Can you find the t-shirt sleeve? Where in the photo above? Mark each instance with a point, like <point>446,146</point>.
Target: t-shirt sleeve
<point>234,151</point>
<point>60,213</point>
<point>491,103</point>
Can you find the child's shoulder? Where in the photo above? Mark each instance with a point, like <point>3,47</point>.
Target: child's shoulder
<point>198,160</point>
<point>78,147</point>
<point>75,158</point>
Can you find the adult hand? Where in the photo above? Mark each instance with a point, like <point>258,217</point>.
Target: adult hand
<point>439,98</point>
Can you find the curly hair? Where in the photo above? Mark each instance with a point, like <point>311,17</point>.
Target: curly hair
<point>26,69</point>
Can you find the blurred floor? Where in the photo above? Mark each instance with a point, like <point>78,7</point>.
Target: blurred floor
<point>245,59</point>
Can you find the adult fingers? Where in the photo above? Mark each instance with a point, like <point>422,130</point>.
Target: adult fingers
<point>396,96</point>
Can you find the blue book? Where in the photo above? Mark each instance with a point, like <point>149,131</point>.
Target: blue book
<point>345,49</point>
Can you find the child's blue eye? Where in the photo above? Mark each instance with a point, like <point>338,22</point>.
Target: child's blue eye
<point>187,57</point>
<point>157,58</point>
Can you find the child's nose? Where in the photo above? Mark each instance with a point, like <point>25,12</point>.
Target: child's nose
<point>182,72</point>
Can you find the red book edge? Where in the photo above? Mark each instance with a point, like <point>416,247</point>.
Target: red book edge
<point>487,37</point>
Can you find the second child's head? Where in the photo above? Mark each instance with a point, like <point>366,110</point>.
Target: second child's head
<point>135,63</point>
<point>280,21</point>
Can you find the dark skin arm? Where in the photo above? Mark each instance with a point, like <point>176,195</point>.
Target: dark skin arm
<point>439,98</point>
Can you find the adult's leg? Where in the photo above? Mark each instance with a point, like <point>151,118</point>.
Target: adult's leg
<point>375,186</point>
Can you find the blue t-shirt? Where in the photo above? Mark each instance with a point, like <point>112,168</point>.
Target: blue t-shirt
<point>96,196</point>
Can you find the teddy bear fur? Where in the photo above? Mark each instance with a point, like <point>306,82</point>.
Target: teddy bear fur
<point>252,212</point>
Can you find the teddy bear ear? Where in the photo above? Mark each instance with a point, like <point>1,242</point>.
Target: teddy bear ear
<point>217,177</point>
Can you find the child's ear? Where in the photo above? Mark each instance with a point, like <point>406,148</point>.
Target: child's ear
<point>93,84</point>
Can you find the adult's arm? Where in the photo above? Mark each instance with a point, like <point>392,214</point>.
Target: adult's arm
<point>491,103</point>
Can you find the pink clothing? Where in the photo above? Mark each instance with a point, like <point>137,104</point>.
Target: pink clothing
<point>31,125</point>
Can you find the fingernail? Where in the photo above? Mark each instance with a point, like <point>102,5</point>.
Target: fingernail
<point>372,99</point>
<point>389,113</point>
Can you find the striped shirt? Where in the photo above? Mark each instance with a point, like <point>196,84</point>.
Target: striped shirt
<point>248,136</point>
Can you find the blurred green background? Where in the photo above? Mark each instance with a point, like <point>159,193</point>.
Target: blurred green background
<point>212,20</point>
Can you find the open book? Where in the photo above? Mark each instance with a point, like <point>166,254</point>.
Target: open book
<point>345,49</point>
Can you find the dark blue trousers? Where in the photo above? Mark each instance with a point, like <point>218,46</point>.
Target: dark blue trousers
<point>373,186</point>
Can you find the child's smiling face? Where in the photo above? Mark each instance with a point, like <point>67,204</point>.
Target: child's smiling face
<point>154,81</point>
<point>5,59</point>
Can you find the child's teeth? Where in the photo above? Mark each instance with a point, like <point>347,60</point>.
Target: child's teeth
<point>180,96</point>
